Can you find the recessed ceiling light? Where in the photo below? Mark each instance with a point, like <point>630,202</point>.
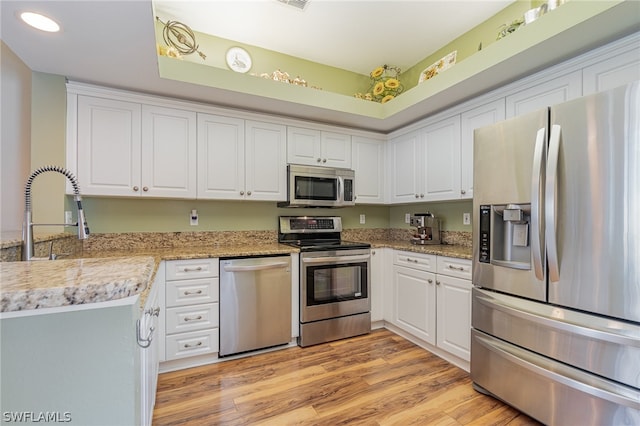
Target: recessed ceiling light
<point>40,22</point>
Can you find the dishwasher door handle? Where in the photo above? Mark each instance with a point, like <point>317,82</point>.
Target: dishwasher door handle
<point>258,267</point>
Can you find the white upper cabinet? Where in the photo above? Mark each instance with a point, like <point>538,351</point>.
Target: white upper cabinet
<point>368,164</point>
<point>403,168</point>
<point>265,161</point>
<point>109,146</point>
<point>441,160</point>
<point>481,116</point>
<point>168,152</point>
<point>613,72</point>
<point>129,149</point>
<point>543,93</point>
<point>425,164</point>
<point>220,157</point>
<point>240,160</point>
<point>318,148</point>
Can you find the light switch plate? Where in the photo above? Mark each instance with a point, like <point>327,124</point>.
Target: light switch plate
<point>466,218</point>
<point>407,217</point>
<point>362,219</point>
<point>68,217</point>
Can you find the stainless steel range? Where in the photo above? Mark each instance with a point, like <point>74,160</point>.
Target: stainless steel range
<point>334,279</point>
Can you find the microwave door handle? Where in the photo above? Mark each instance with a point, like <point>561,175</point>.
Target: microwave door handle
<point>550,195</point>
<point>537,238</point>
<point>340,189</point>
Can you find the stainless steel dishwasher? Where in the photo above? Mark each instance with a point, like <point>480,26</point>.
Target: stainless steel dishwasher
<point>255,303</point>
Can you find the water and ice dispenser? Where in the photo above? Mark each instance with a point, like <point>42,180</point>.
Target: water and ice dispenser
<point>504,235</point>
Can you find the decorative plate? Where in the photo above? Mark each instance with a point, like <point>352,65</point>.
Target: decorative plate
<point>238,59</point>
<point>436,68</point>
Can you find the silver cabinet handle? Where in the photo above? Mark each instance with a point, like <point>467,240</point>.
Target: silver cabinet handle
<point>437,282</point>
<point>430,281</point>
<point>324,160</point>
<point>187,319</point>
<point>463,191</point>
<point>135,189</point>
<point>241,192</point>
<point>417,196</point>
<point>412,260</point>
<point>189,293</point>
<point>145,188</point>
<point>187,346</point>
<point>373,252</point>
<point>319,160</point>
<point>456,268</point>
<point>421,195</point>
<point>248,192</point>
<point>154,312</point>
<point>187,269</point>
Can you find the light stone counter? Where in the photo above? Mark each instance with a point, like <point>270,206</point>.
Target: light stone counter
<point>457,251</point>
<point>101,275</point>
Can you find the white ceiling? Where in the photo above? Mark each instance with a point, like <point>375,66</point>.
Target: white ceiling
<point>355,35</point>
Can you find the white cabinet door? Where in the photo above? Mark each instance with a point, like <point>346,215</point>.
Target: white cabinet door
<point>403,166</point>
<point>109,151</point>
<point>168,152</point>
<point>454,315</point>
<point>545,94</point>
<point>440,157</point>
<point>617,71</point>
<point>481,116</point>
<point>368,164</point>
<point>335,149</point>
<point>303,146</point>
<point>220,157</point>
<point>415,297</point>
<point>377,284</point>
<point>318,148</point>
<point>265,161</point>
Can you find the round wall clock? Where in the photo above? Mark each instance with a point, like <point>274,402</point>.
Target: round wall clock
<point>238,59</point>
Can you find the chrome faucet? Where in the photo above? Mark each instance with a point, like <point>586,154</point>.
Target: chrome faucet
<point>27,224</point>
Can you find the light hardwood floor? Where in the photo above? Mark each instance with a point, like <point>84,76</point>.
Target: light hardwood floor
<point>377,379</point>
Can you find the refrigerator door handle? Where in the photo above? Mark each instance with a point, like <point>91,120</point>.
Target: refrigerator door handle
<point>537,187</point>
<point>551,188</point>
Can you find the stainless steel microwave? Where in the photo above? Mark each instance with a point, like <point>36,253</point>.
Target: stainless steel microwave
<point>310,186</point>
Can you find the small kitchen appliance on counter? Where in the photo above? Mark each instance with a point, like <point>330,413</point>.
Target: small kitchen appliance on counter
<point>428,229</point>
<point>334,279</point>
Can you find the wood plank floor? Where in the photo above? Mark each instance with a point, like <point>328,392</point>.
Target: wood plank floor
<point>377,379</point>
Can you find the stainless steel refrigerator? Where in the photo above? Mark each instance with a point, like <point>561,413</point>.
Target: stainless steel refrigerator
<point>556,261</point>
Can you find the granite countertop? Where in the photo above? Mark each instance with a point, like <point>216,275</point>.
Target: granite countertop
<point>449,250</point>
<point>104,275</point>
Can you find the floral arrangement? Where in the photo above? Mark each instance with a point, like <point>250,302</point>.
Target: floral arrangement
<point>385,85</point>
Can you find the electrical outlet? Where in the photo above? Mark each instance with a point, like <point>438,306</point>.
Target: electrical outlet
<point>407,217</point>
<point>362,219</point>
<point>193,218</point>
<point>466,218</point>
<point>68,217</point>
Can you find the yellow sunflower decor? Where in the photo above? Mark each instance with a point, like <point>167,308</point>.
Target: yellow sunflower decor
<point>385,85</point>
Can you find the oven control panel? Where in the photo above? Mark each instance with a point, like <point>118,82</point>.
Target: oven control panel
<point>291,224</point>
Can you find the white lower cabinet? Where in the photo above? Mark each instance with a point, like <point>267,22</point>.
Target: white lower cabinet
<point>192,306</point>
<point>453,295</point>
<point>377,278</point>
<point>432,300</point>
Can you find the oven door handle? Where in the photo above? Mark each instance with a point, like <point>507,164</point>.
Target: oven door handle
<point>335,259</point>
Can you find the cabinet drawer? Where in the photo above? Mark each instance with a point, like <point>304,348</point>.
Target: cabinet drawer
<point>422,262</point>
<point>192,268</point>
<point>192,292</point>
<point>192,318</point>
<point>459,268</point>
<point>193,343</point>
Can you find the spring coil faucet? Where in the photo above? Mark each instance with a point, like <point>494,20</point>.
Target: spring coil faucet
<point>27,224</point>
